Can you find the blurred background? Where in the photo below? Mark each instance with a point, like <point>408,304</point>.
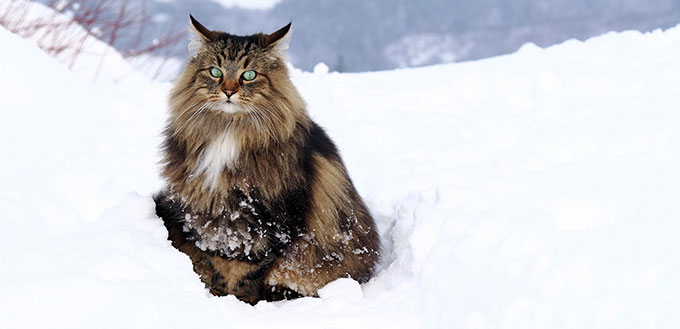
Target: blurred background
<point>359,35</point>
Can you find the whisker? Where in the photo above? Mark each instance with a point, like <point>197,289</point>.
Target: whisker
<point>185,111</point>
<point>267,119</point>
<point>252,111</point>
<point>265,125</point>
<point>206,106</point>
<point>255,122</point>
<point>271,117</point>
<point>258,120</point>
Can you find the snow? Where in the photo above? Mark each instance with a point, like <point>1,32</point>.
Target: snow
<point>249,4</point>
<point>534,190</point>
<point>85,55</point>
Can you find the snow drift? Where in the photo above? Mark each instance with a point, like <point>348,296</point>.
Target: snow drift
<point>536,190</point>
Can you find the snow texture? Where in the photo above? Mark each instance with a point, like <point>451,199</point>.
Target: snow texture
<point>250,4</point>
<point>535,190</point>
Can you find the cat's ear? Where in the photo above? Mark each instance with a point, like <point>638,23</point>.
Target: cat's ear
<point>278,40</point>
<point>198,36</point>
<point>201,30</point>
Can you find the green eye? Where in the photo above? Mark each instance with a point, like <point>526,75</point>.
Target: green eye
<point>249,75</point>
<point>215,72</point>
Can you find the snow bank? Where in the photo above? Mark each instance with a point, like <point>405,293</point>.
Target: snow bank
<point>536,190</point>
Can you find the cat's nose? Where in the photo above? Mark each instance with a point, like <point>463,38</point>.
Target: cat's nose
<point>229,92</point>
<point>229,87</point>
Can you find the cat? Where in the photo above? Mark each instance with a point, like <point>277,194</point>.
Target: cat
<point>257,194</point>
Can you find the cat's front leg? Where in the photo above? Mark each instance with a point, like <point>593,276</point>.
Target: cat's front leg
<point>226,276</point>
<point>221,275</point>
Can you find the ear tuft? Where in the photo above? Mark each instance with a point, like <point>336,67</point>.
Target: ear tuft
<point>196,42</point>
<point>279,40</point>
<point>198,36</point>
<point>202,30</point>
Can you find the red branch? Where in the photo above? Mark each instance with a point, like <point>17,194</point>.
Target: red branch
<point>119,23</point>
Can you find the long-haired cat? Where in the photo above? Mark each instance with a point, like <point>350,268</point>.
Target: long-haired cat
<point>257,194</point>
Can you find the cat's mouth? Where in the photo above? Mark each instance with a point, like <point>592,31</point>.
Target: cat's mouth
<point>230,106</point>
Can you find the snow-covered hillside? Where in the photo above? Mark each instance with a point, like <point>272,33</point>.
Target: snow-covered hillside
<point>536,190</point>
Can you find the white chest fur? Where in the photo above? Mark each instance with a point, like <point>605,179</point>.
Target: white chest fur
<point>220,154</point>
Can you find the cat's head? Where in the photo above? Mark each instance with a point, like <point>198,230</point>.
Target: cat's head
<point>236,76</point>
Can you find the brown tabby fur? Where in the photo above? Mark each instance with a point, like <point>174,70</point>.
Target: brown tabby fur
<point>285,209</point>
